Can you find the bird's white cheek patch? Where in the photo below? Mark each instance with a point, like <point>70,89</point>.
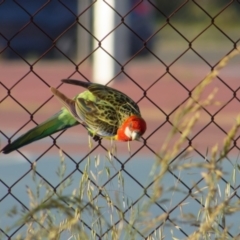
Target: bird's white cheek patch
<point>127,132</point>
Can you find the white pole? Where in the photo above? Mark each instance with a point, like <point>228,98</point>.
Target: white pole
<point>83,38</point>
<point>103,23</point>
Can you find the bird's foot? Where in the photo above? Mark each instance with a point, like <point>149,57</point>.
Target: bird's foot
<point>96,138</point>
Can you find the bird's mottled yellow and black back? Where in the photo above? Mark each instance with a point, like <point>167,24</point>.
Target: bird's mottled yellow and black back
<point>123,104</point>
<point>114,97</point>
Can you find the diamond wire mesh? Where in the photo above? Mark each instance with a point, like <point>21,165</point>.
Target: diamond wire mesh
<point>147,90</point>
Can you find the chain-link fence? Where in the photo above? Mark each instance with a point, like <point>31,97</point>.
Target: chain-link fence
<point>168,49</point>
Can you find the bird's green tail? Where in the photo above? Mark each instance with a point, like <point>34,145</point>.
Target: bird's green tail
<point>60,121</point>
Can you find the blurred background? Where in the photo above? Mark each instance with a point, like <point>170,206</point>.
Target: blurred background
<point>158,52</point>
<point>32,29</point>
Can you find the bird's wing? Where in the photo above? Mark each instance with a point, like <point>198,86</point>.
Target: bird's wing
<point>97,115</point>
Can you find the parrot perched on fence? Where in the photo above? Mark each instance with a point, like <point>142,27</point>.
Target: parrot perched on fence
<point>103,111</point>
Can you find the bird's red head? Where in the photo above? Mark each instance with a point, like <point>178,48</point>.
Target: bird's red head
<point>132,129</point>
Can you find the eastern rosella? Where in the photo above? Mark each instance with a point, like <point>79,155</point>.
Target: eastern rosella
<point>103,111</point>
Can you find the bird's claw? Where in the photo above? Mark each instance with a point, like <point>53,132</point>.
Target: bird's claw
<point>96,138</point>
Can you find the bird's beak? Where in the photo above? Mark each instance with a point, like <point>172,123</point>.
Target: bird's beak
<point>135,135</point>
